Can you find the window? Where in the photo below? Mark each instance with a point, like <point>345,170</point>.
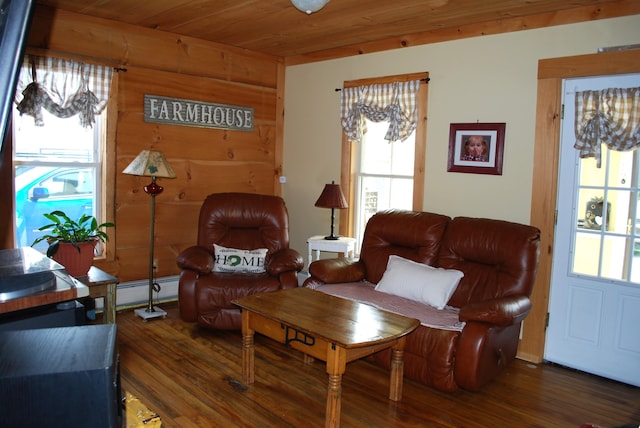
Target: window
<point>607,241</point>
<point>57,167</point>
<point>59,137</point>
<point>383,176</point>
<point>378,174</point>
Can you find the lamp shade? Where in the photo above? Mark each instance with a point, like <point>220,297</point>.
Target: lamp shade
<point>150,163</point>
<point>309,6</point>
<point>332,197</point>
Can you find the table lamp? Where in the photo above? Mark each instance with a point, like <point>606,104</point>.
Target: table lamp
<point>332,197</point>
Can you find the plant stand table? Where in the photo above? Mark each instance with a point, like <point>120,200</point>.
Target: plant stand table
<point>102,284</point>
<point>332,329</point>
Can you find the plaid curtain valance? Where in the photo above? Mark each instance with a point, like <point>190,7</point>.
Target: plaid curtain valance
<point>63,87</point>
<point>610,116</point>
<point>394,102</point>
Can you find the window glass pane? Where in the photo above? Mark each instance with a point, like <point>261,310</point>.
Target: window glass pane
<point>379,156</point>
<point>590,208</point>
<point>58,140</point>
<point>620,168</point>
<point>376,152</point>
<point>586,257</point>
<point>619,211</point>
<point>403,156</point>
<point>401,194</point>
<point>635,262</point>
<point>613,258</point>
<point>589,174</point>
<point>42,189</point>
<point>381,193</point>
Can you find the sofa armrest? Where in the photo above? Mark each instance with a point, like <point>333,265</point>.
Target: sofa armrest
<point>336,271</point>
<point>284,260</point>
<point>197,259</point>
<point>502,311</point>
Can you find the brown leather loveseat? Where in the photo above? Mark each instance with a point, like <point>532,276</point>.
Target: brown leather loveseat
<point>239,221</point>
<point>499,261</point>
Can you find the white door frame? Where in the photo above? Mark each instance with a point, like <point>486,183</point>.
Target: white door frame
<point>551,72</point>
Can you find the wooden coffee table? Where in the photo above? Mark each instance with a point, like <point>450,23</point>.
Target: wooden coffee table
<point>326,327</point>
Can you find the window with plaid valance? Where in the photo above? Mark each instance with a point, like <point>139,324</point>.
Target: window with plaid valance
<point>63,87</point>
<point>610,116</point>
<point>393,102</point>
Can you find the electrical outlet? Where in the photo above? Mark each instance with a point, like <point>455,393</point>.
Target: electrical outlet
<point>155,265</point>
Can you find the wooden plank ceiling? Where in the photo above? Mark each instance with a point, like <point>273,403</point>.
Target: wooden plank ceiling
<point>275,27</point>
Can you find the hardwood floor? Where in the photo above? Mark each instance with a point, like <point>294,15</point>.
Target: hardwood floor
<point>192,378</point>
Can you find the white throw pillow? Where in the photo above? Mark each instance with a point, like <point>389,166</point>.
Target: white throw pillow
<point>419,282</point>
<point>238,261</point>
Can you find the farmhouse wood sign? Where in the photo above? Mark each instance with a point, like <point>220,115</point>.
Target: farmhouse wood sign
<point>176,111</point>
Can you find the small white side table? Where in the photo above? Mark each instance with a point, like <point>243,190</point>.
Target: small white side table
<point>344,245</point>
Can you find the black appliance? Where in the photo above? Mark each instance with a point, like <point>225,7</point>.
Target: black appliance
<point>60,377</point>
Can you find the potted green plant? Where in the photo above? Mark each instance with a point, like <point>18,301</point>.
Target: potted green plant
<point>72,242</point>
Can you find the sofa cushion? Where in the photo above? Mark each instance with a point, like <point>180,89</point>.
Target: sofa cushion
<point>498,258</point>
<point>410,234</point>
<point>419,282</point>
<point>232,260</point>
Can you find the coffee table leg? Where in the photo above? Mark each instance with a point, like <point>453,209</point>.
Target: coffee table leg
<point>336,366</point>
<point>248,349</point>
<point>397,369</point>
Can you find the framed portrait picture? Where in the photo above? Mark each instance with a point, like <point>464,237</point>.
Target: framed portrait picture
<point>476,148</point>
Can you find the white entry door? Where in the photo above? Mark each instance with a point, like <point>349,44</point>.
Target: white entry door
<point>594,305</point>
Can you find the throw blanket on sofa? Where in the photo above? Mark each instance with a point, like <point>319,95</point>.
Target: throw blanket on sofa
<point>364,292</point>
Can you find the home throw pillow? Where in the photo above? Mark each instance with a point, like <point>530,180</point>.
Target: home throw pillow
<point>233,260</point>
<point>419,282</point>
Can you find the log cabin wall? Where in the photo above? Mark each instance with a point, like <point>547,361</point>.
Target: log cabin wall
<point>205,160</point>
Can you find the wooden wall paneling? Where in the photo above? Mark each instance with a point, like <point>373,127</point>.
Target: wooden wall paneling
<point>240,176</point>
<point>279,134</point>
<point>123,44</point>
<point>551,72</point>
<point>181,142</point>
<point>205,160</point>
<point>141,81</point>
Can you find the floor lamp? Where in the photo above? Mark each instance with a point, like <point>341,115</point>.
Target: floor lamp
<point>151,163</point>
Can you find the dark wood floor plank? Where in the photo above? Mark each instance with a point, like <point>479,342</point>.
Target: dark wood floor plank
<point>192,377</point>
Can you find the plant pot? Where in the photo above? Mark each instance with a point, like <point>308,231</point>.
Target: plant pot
<point>76,263</point>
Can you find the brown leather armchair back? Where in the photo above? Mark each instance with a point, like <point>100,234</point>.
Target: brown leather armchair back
<point>244,220</point>
<point>412,235</point>
<point>498,258</point>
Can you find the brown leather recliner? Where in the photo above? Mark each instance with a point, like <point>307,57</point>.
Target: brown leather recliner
<point>241,221</point>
